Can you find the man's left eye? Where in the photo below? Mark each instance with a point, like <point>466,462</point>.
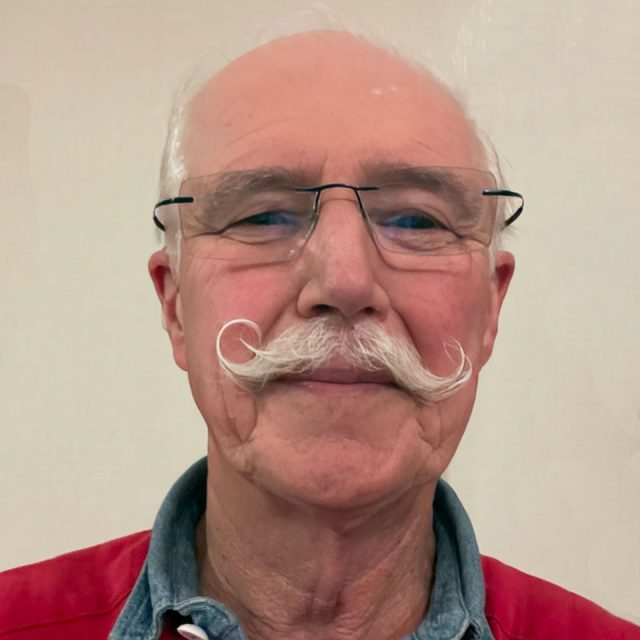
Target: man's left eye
<point>415,220</point>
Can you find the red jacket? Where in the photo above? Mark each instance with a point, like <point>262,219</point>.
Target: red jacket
<point>79,596</point>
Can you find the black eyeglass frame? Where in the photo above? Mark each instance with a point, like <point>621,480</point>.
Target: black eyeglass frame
<point>335,185</point>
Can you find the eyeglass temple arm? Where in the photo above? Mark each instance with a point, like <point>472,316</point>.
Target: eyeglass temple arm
<point>513,194</point>
<point>164,203</point>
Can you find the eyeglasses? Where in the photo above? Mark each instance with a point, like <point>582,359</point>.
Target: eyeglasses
<point>415,215</point>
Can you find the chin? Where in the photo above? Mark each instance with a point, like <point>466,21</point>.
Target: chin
<point>348,454</point>
<point>339,473</point>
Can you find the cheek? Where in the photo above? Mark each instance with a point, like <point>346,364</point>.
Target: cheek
<point>443,425</point>
<point>214,293</point>
<point>445,307</point>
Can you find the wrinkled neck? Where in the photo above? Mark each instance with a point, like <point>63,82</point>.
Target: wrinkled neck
<point>294,571</point>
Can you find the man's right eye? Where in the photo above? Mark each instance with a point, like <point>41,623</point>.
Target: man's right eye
<point>266,226</point>
<point>269,218</point>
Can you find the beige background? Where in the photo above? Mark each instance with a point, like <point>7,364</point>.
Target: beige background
<point>97,422</point>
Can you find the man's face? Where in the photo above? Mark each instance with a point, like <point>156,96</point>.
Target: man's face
<point>329,106</point>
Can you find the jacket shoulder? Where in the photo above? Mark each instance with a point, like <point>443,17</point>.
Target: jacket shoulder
<point>77,594</point>
<point>522,607</point>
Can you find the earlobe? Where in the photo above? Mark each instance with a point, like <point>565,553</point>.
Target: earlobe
<point>166,286</point>
<point>504,266</point>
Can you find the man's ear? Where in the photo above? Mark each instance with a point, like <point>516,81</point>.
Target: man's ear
<point>504,266</point>
<point>166,285</point>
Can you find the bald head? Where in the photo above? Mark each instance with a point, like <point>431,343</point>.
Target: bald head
<point>329,98</point>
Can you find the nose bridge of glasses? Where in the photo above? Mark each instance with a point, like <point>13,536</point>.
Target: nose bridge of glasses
<point>335,228</point>
<point>345,196</point>
<point>337,200</point>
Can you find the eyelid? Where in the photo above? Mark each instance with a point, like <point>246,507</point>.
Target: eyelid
<point>275,213</point>
<point>388,220</point>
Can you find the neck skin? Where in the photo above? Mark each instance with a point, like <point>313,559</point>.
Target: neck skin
<point>291,571</point>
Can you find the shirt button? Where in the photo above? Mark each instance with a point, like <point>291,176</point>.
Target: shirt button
<point>192,632</point>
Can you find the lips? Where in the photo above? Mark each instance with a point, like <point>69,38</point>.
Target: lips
<point>337,375</point>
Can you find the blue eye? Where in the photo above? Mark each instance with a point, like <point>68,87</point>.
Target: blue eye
<point>266,226</point>
<point>417,221</point>
<point>271,218</point>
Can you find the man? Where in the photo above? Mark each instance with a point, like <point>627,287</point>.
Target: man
<point>332,285</point>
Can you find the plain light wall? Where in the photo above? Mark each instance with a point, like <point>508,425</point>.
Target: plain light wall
<point>97,421</point>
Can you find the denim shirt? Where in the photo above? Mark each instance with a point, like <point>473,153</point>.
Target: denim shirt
<point>168,582</point>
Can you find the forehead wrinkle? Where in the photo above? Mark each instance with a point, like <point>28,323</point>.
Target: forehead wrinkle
<point>466,135</point>
<point>207,133</point>
<point>245,134</point>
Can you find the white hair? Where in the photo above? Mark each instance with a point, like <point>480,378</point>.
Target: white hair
<point>305,347</point>
<point>174,167</point>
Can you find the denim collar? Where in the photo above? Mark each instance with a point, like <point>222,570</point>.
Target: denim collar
<point>167,586</point>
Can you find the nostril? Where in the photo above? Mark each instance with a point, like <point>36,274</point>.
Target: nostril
<point>323,309</point>
<point>326,309</point>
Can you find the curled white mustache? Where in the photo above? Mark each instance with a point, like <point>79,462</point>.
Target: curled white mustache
<point>309,345</point>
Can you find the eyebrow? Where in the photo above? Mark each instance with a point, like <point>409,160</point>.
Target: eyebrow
<point>440,180</point>
<point>221,190</point>
<point>436,178</point>
<point>230,183</point>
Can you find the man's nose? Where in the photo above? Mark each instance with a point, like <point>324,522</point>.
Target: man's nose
<point>341,264</point>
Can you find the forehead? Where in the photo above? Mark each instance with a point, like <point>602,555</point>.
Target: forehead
<point>329,103</point>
